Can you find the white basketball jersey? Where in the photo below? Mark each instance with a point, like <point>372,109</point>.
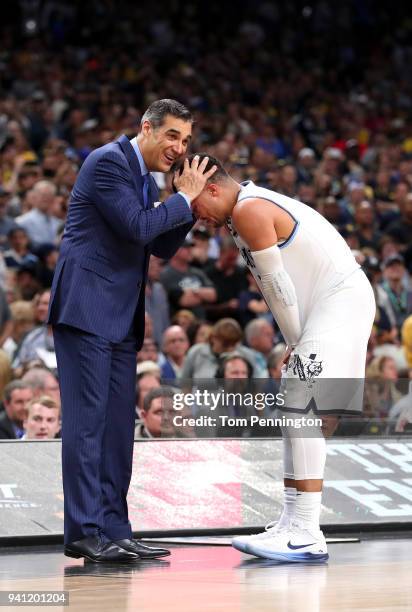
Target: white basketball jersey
<point>315,256</point>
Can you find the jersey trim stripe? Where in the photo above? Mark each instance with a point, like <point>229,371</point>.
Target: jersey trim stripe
<point>291,237</point>
<point>293,233</point>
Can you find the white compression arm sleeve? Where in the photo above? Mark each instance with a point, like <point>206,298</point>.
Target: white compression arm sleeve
<point>279,292</point>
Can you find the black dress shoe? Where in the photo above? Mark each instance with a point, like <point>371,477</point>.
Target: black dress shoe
<point>96,550</point>
<point>144,552</point>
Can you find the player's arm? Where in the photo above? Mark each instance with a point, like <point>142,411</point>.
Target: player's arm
<point>255,221</point>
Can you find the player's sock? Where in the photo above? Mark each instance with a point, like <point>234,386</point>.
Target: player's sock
<point>307,510</point>
<point>289,501</point>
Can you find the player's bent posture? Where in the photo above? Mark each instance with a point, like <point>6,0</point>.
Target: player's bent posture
<point>324,306</point>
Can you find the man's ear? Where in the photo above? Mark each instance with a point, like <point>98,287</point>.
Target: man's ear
<point>146,127</point>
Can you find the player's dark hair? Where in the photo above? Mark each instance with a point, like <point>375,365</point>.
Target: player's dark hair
<point>218,176</point>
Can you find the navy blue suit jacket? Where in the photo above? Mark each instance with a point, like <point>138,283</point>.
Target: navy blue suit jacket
<point>99,282</point>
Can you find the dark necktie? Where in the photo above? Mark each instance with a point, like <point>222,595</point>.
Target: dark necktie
<point>146,184</point>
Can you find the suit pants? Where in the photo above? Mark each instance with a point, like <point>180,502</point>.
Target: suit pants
<point>97,384</point>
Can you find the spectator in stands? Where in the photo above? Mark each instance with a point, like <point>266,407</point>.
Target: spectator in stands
<point>42,382</point>
<point>43,419</point>
<point>157,415</point>
<point>401,229</point>
<point>156,304</point>
<point>260,337</point>
<point>149,351</point>
<point>406,335</point>
<point>275,361</point>
<point>175,345</point>
<point>200,250</point>
<point>38,345</point>
<point>305,166</point>
<point>365,222</point>
<point>402,411</point>
<point>380,391</point>
<point>7,223</point>
<point>198,332</point>
<point>27,282</point>
<point>148,323</point>
<point>25,179</point>
<point>6,373</point>
<point>235,366</point>
<point>187,287</point>
<point>185,318</point>
<point>394,273</point>
<point>251,302</point>
<point>203,360</point>
<point>373,271</point>
<point>40,224</point>
<point>145,382</point>
<point>19,254</point>
<point>6,324</point>
<point>148,367</point>
<point>386,344</point>
<point>288,181</point>
<point>331,155</point>
<point>41,306</point>
<point>22,316</point>
<point>48,255</point>
<point>17,394</point>
<point>228,279</point>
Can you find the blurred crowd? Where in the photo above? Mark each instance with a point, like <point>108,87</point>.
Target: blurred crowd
<point>313,102</point>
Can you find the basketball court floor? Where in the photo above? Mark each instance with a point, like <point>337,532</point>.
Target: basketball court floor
<point>373,574</point>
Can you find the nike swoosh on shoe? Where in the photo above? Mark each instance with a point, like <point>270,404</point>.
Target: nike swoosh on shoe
<point>293,547</point>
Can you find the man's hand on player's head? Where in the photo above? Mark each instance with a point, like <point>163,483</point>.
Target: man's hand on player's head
<point>193,177</point>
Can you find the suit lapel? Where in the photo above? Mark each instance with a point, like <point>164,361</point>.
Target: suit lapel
<point>153,191</point>
<point>131,157</point>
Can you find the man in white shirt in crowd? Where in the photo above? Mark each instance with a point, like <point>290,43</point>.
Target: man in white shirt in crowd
<point>43,419</point>
<point>40,223</point>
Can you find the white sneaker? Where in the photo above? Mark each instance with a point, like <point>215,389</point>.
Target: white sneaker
<point>295,544</point>
<point>242,542</point>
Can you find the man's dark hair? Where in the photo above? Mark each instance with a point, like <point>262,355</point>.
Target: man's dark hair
<point>166,392</point>
<point>220,372</point>
<point>219,175</point>
<point>35,378</point>
<point>15,230</point>
<point>158,110</point>
<point>12,386</point>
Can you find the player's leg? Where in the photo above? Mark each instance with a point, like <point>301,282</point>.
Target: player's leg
<point>289,483</point>
<point>303,539</point>
<point>289,498</point>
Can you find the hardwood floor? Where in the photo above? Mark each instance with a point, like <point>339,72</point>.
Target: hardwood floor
<point>373,575</point>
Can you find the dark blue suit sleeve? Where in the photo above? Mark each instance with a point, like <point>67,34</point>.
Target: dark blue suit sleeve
<point>117,201</point>
<point>166,245</point>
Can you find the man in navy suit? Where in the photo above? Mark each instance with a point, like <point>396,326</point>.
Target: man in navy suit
<point>97,312</point>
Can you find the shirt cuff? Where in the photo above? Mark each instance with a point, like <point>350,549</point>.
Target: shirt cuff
<point>185,197</point>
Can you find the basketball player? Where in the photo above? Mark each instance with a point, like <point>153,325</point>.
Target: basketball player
<point>324,307</point>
